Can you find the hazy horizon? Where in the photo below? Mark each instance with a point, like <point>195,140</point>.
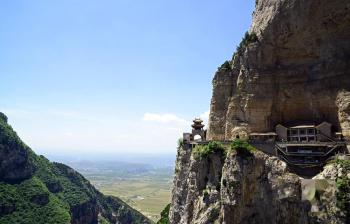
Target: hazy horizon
<point>157,159</point>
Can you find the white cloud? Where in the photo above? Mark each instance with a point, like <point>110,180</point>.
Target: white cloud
<point>52,130</point>
<point>205,116</point>
<point>164,118</point>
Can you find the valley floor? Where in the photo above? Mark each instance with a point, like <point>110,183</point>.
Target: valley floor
<point>148,196</point>
<point>145,188</point>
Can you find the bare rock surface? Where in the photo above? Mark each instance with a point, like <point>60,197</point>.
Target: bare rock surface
<point>298,70</point>
<point>295,69</point>
<point>251,189</point>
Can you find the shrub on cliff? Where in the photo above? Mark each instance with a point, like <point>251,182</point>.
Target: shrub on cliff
<point>164,216</point>
<point>202,151</point>
<point>3,117</point>
<point>242,147</point>
<point>225,66</point>
<point>247,39</point>
<point>343,188</point>
<point>180,143</point>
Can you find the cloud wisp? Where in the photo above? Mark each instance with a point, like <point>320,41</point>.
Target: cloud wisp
<point>164,118</point>
<point>205,117</point>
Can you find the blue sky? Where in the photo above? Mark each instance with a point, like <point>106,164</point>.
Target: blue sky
<point>113,76</point>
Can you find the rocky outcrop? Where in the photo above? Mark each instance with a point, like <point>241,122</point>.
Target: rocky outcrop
<point>86,212</point>
<point>259,190</point>
<point>291,68</point>
<point>54,187</point>
<point>40,199</point>
<point>117,211</point>
<point>297,70</point>
<point>253,188</point>
<point>15,165</point>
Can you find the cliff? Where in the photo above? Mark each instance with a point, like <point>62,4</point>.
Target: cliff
<point>293,67</point>
<point>35,190</point>
<point>233,188</point>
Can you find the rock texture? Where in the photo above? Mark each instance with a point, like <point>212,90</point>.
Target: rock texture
<point>293,67</point>
<point>236,189</point>
<point>298,70</point>
<point>259,190</point>
<point>86,212</point>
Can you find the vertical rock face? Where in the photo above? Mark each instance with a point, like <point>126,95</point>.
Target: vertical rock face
<point>259,190</point>
<point>293,67</point>
<point>86,212</point>
<point>297,71</point>
<point>196,192</point>
<point>236,189</point>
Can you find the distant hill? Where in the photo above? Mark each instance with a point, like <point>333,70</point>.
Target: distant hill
<point>35,190</point>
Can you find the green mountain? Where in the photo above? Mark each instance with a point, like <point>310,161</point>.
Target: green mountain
<point>35,190</point>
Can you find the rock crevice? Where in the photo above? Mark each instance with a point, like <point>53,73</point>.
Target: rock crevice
<point>238,189</point>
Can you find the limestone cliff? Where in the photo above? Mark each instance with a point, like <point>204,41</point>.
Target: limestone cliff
<point>235,189</point>
<point>296,70</point>
<point>292,67</point>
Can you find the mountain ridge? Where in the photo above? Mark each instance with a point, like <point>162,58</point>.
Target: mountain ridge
<point>35,190</point>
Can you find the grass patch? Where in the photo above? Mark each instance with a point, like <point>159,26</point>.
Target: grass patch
<point>202,151</point>
<point>242,147</point>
